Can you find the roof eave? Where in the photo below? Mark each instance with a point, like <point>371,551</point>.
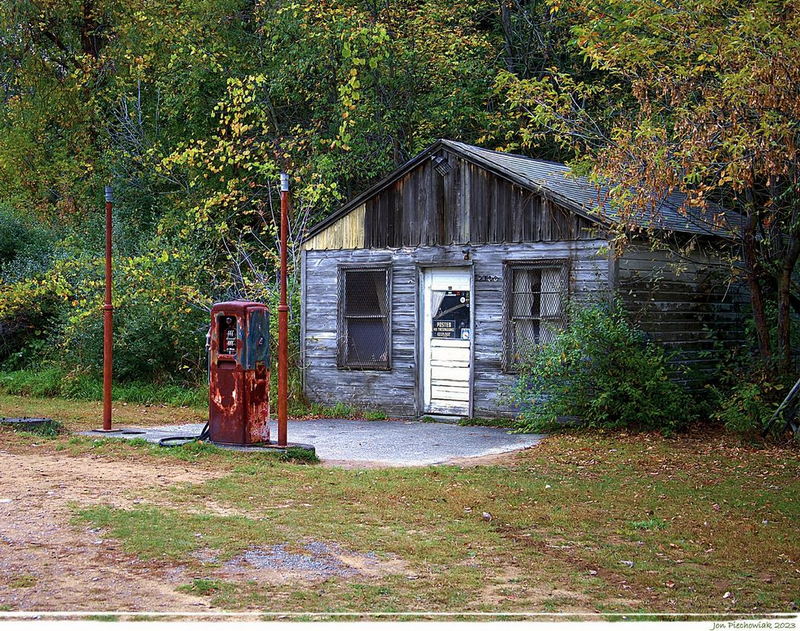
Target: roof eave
<point>467,155</point>
<point>460,150</point>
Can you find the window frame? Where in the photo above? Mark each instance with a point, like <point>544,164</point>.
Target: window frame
<point>341,318</point>
<point>509,267</point>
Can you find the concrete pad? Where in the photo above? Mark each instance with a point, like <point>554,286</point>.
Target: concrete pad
<point>388,443</point>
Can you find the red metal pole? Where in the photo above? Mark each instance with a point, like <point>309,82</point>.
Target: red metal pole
<point>283,318</point>
<point>108,323</point>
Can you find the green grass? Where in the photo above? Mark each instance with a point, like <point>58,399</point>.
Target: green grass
<point>572,506</point>
<point>102,617</point>
<point>49,382</point>
<point>55,382</point>
<point>649,524</point>
<point>47,429</point>
<point>22,581</point>
<point>196,451</point>
<point>336,410</point>
<point>340,410</point>
<point>82,415</point>
<point>201,586</point>
<point>375,415</point>
<point>229,595</point>
<point>299,454</point>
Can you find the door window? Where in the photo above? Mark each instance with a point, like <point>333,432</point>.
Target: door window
<point>451,315</point>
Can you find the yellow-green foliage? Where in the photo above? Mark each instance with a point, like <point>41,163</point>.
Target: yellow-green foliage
<point>191,110</point>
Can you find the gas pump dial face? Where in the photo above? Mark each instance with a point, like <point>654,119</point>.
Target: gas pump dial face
<point>227,335</point>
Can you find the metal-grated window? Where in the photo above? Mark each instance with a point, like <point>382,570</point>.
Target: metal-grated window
<point>536,296</point>
<point>364,336</point>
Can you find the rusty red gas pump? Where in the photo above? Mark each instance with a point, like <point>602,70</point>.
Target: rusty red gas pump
<point>239,373</point>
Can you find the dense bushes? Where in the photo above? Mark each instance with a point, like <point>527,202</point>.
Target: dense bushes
<point>26,312</point>
<point>25,247</point>
<point>747,392</point>
<point>51,324</point>
<point>746,407</point>
<point>54,317</point>
<point>160,320</point>
<point>55,382</point>
<point>603,370</point>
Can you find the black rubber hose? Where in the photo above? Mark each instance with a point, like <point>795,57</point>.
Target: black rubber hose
<point>184,440</point>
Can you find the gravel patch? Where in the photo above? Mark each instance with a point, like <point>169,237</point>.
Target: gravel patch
<point>319,562</point>
<point>308,561</point>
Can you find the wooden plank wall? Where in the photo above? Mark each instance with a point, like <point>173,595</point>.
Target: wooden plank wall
<point>395,391</point>
<point>347,232</point>
<point>685,303</point>
<point>467,205</point>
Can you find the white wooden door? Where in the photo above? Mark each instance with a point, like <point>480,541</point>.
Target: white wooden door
<point>447,340</point>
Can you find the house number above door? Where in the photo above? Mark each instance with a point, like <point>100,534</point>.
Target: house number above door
<point>483,278</point>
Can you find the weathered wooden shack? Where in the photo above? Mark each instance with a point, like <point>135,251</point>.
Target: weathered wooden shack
<point>418,295</point>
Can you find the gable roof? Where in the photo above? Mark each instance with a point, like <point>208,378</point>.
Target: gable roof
<point>553,180</point>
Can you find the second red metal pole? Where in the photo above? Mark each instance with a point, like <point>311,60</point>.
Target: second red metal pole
<point>108,320</point>
<point>283,318</point>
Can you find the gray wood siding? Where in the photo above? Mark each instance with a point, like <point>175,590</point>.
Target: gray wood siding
<point>588,271</point>
<point>467,205</point>
<point>393,391</point>
<point>396,391</point>
<point>687,303</point>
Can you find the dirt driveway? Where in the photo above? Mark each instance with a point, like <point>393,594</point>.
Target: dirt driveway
<point>43,555</point>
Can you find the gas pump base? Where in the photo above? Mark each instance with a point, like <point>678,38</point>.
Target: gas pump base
<point>265,446</point>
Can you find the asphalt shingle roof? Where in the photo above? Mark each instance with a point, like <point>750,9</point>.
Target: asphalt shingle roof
<point>667,213</point>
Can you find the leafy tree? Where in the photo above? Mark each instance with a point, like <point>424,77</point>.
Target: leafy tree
<point>715,113</point>
<point>358,87</point>
<point>192,108</point>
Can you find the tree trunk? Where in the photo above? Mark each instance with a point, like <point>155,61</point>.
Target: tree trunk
<point>754,285</point>
<point>89,35</point>
<point>784,302</point>
<point>508,35</point>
